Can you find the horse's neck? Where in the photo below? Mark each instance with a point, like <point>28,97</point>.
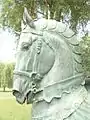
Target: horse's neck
<point>63,69</point>
<point>59,71</point>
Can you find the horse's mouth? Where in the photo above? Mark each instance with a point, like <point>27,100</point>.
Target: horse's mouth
<point>20,98</point>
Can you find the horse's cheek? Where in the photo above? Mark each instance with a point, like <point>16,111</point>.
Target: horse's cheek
<point>46,59</point>
<point>20,61</point>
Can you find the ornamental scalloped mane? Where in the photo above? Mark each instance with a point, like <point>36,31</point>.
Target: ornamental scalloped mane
<point>48,71</point>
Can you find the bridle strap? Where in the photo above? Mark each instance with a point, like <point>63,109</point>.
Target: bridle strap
<point>32,75</point>
<point>23,73</point>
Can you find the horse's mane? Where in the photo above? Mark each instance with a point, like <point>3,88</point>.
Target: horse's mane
<point>63,31</point>
<point>56,29</point>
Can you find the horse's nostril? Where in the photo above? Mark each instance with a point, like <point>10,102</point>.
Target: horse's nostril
<point>16,93</point>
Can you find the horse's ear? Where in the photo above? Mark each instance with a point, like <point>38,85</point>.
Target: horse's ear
<point>27,18</point>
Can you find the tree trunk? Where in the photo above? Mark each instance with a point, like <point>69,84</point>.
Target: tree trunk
<point>4,86</point>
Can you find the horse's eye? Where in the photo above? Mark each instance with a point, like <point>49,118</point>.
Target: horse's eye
<point>25,46</point>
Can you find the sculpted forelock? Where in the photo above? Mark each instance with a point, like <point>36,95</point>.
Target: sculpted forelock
<point>48,71</point>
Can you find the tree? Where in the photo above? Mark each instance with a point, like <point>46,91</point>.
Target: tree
<point>6,75</point>
<point>12,13</point>
<point>73,12</point>
<point>9,74</point>
<point>85,50</point>
<point>1,73</point>
<point>3,78</point>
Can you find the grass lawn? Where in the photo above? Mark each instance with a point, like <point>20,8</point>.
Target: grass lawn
<point>11,110</point>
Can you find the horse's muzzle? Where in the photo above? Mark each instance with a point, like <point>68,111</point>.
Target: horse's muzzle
<point>17,90</point>
<point>19,98</point>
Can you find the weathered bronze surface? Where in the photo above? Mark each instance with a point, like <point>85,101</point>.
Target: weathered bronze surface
<point>48,71</point>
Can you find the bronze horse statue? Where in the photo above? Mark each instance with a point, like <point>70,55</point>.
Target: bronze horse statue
<point>48,72</point>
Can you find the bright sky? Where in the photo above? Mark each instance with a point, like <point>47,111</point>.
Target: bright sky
<point>7,47</point>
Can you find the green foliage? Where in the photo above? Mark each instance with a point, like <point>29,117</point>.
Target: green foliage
<point>85,49</point>
<point>72,11</point>
<point>1,73</point>
<point>12,13</point>
<point>6,74</point>
<point>9,74</point>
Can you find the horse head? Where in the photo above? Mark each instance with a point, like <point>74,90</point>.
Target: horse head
<point>46,56</point>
